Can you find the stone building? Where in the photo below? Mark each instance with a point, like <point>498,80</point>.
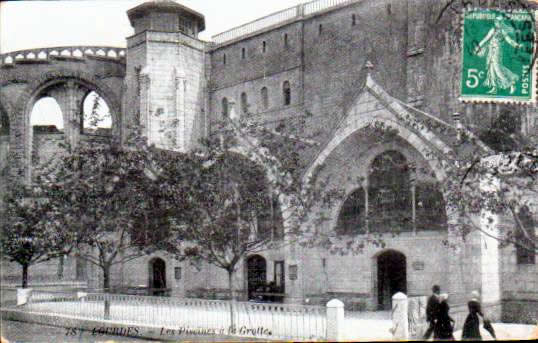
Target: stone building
<point>337,67</point>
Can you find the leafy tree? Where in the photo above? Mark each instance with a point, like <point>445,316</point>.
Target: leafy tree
<point>30,234</point>
<point>104,197</point>
<point>233,198</point>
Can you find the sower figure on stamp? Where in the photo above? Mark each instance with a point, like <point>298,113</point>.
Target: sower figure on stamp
<point>498,76</point>
<point>432,309</point>
<point>471,328</point>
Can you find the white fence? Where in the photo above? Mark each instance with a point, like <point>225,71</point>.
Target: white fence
<point>278,18</point>
<point>253,26</point>
<point>320,5</point>
<point>274,321</point>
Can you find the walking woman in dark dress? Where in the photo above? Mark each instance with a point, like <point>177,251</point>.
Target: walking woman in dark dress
<point>444,327</point>
<point>471,327</point>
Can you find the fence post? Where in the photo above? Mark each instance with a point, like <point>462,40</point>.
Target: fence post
<point>400,321</point>
<point>335,320</point>
<point>81,295</point>
<point>23,296</point>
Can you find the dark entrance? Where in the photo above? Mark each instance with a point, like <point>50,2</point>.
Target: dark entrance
<point>256,275</point>
<point>391,277</point>
<point>157,275</point>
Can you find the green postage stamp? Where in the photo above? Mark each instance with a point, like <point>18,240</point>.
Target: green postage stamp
<point>498,56</point>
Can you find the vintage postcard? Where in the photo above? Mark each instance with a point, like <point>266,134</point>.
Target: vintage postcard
<point>285,170</point>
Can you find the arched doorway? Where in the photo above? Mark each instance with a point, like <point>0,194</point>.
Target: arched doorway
<point>391,277</point>
<point>256,274</point>
<point>157,276</point>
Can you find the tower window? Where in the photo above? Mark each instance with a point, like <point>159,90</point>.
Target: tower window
<point>224,107</point>
<point>244,103</point>
<point>320,29</point>
<point>286,92</point>
<point>286,40</point>
<point>224,59</point>
<point>264,46</point>
<point>243,53</point>
<point>265,98</point>
<point>353,20</point>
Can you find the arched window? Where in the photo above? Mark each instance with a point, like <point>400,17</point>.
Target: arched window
<point>285,40</point>
<point>430,207</point>
<point>389,193</point>
<point>224,107</point>
<point>46,116</point>
<point>265,98</point>
<point>320,29</point>
<point>351,220</point>
<point>243,53</point>
<point>244,103</point>
<point>286,92</point>
<point>264,46</point>
<point>96,118</point>
<point>353,20</point>
<point>270,220</point>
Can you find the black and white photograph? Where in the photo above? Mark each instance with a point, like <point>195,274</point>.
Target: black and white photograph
<point>284,170</point>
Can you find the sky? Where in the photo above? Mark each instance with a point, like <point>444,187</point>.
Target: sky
<point>41,24</point>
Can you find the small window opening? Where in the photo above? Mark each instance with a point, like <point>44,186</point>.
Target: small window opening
<point>264,46</point>
<point>243,53</point>
<point>265,98</point>
<point>320,28</point>
<point>353,20</point>
<point>286,90</point>
<point>224,107</point>
<point>244,103</point>
<point>286,40</point>
<point>224,59</point>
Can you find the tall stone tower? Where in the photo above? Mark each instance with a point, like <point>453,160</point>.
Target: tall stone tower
<point>165,74</point>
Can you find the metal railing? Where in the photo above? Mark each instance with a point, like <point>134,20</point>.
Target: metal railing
<point>320,5</point>
<point>279,321</point>
<point>258,24</point>
<point>278,18</point>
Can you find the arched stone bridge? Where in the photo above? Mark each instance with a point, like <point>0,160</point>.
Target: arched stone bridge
<point>68,74</point>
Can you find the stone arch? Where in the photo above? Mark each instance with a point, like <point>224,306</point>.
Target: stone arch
<point>256,274</point>
<point>407,135</point>
<point>388,276</point>
<point>425,149</point>
<point>87,80</point>
<point>27,98</point>
<point>157,275</point>
<point>87,130</point>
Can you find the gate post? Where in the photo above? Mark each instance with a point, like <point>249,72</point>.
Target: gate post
<point>23,296</point>
<point>400,323</point>
<point>335,320</point>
